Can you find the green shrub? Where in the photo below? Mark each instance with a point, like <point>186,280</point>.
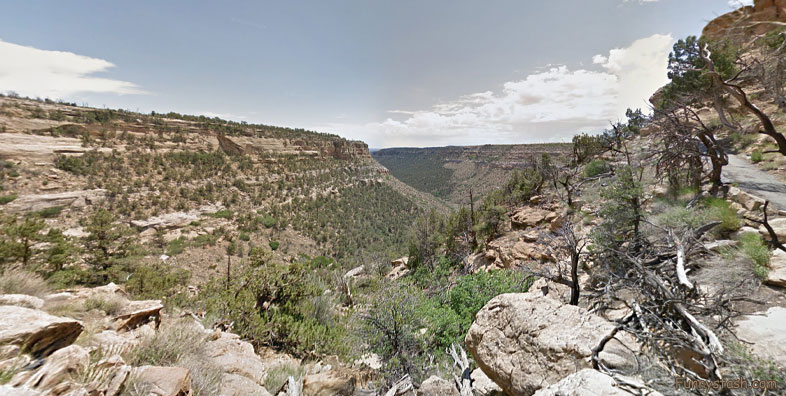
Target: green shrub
<point>279,305</point>
<point>176,246</point>
<point>7,198</point>
<point>156,281</point>
<point>757,156</point>
<point>679,217</point>
<point>223,214</point>
<point>273,245</point>
<point>466,298</point>
<point>50,212</point>
<point>205,240</point>
<point>752,245</point>
<point>721,210</point>
<point>596,167</point>
<point>268,221</point>
<point>391,327</point>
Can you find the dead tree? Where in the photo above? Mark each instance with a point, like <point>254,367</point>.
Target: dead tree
<point>733,89</point>
<point>463,381</point>
<point>566,181</point>
<point>567,273</point>
<point>686,144</point>
<point>668,312</point>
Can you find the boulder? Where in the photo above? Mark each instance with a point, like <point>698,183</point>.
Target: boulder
<point>354,272</point>
<point>476,262</point>
<point>236,357</point>
<point>748,201</point>
<point>736,235</point>
<point>35,331</point>
<point>399,268</point>
<point>527,341</point>
<point>554,290</point>
<point>719,245</point>
<point>8,390</point>
<point>529,217</point>
<point>766,333</point>
<point>435,386</point>
<point>327,384</point>
<point>589,382</point>
<point>112,339</point>
<point>779,226</point>
<point>482,385</point>
<point>59,368</point>
<point>530,236</point>
<point>233,384</point>
<point>164,381</point>
<point>22,300</point>
<point>370,360</point>
<point>777,274</point>
<point>137,313</point>
<point>530,251</point>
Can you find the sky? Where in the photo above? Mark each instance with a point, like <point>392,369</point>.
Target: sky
<point>390,73</point>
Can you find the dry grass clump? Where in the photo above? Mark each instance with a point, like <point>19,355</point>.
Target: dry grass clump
<point>23,282</point>
<point>278,375</point>
<point>110,305</point>
<point>181,344</point>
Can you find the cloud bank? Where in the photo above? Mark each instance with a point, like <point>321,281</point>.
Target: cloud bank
<point>549,105</point>
<point>35,72</point>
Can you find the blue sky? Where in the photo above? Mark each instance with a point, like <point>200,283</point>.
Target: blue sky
<point>393,73</point>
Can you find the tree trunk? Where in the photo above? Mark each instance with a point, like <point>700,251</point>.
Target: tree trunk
<point>574,276</point>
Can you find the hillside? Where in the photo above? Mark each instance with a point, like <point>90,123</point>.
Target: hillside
<point>191,186</point>
<point>450,172</point>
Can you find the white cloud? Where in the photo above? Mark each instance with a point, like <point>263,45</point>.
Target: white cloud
<point>549,105</point>
<point>35,72</point>
<point>740,3</point>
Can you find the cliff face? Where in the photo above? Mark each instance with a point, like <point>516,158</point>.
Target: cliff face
<point>335,148</point>
<point>762,17</point>
<point>339,148</point>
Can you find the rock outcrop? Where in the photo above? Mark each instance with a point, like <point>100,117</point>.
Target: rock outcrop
<point>164,381</point>
<point>482,384</point>
<point>529,217</point>
<point>779,226</point>
<point>244,371</point>
<point>766,333</point>
<point>589,382</point>
<point>21,300</point>
<point>762,17</point>
<point>435,386</point>
<point>527,341</point>
<point>58,370</point>
<point>777,273</point>
<point>137,313</point>
<point>328,384</point>
<point>399,268</point>
<point>36,332</point>
<point>34,203</point>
